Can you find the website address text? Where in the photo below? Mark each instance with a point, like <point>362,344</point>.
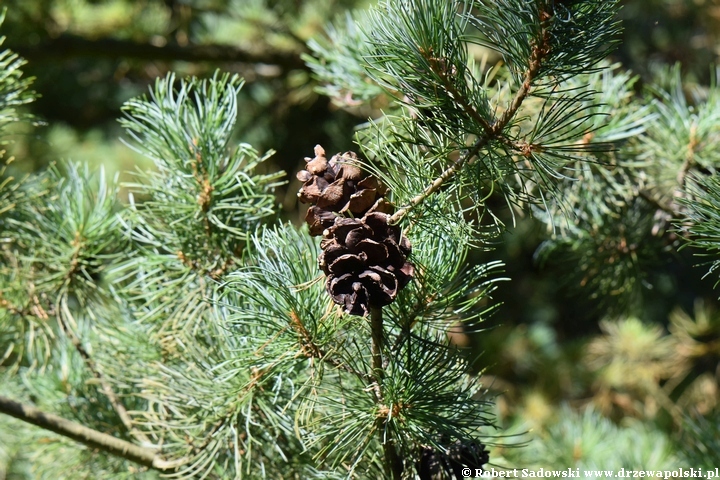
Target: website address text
<point>577,473</point>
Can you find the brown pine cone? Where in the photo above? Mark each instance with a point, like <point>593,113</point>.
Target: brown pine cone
<point>338,186</point>
<point>432,465</point>
<point>437,465</point>
<point>365,261</point>
<point>467,455</point>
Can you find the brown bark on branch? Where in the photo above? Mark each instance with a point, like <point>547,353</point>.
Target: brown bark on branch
<point>393,464</point>
<point>69,46</point>
<point>87,436</point>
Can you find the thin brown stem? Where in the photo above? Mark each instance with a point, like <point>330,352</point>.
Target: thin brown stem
<point>87,436</point>
<point>682,175</point>
<point>494,132</point>
<point>467,106</point>
<point>687,164</point>
<point>674,209</point>
<point>658,204</point>
<point>376,332</point>
<point>538,52</point>
<point>689,159</point>
<point>104,385</point>
<point>312,350</point>
<point>439,181</point>
<point>68,46</point>
<point>393,464</point>
<point>432,188</point>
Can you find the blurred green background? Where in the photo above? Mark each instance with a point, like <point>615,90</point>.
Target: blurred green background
<point>589,384</point>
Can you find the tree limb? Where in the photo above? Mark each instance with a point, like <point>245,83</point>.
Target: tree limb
<point>658,204</point>
<point>95,370</point>
<point>68,46</point>
<point>393,464</point>
<point>87,436</point>
<point>493,132</point>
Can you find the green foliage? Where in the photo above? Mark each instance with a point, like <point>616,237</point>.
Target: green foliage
<point>337,63</point>
<point>187,321</point>
<point>633,358</point>
<point>14,89</point>
<point>189,132</point>
<point>702,207</point>
<point>455,111</point>
<point>56,260</point>
<point>514,27</point>
<point>14,92</point>
<point>424,53</point>
<point>700,440</point>
<point>610,260</point>
<point>683,133</point>
<point>589,441</point>
<point>64,387</point>
<point>199,202</point>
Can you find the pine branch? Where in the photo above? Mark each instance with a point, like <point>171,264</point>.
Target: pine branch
<point>442,72</point>
<point>438,182</point>
<point>495,132</point>
<point>658,204</point>
<point>539,51</point>
<point>312,350</point>
<point>105,386</point>
<point>70,46</point>
<point>87,436</point>
<point>687,164</point>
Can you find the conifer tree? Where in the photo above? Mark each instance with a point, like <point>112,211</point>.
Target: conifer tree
<point>187,332</point>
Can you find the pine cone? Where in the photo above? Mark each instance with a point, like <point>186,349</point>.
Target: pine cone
<point>467,455</point>
<point>432,465</point>
<point>338,185</point>
<point>365,262</point>
<point>437,465</point>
